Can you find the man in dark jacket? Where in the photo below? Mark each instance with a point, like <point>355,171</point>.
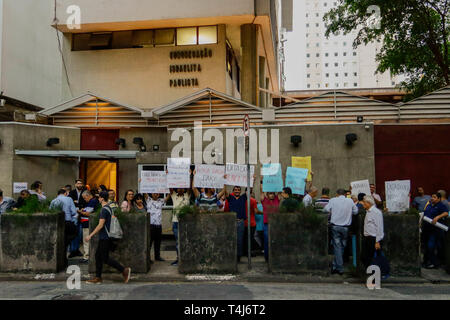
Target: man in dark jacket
<point>80,203</point>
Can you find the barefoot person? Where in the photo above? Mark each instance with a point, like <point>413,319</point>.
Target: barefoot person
<point>105,243</point>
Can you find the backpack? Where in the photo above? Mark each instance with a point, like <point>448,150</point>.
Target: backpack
<point>115,230</point>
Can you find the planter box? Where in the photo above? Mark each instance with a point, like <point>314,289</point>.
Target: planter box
<point>401,243</point>
<point>133,249</point>
<point>32,242</point>
<point>208,243</point>
<point>297,248</point>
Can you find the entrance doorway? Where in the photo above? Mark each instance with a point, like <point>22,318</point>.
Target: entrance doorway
<point>99,172</point>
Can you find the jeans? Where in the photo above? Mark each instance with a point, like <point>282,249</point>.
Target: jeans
<point>75,244</point>
<point>240,237</point>
<point>339,237</point>
<point>155,236</point>
<point>433,242</point>
<point>266,241</point>
<point>175,233</point>
<point>102,256</point>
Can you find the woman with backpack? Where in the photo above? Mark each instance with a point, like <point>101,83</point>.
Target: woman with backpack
<point>105,243</point>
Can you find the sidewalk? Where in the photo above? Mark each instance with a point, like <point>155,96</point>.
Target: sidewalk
<point>163,271</point>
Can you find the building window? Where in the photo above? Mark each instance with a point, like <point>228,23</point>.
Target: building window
<point>345,74</point>
<point>307,55</point>
<point>354,53</point>
<point>186,36</point>
<point>336,75</point>
<point>308,75</point>
<point>326,54</point>
<point>207,35</point>
<point>327,75</point>
<point>326,64</point>
<point>307,25</point>
<point>337,85</point>
<point>336,64</point>
<point>317,55</point>
<point>307,35</point>
<point>317,44</point>
<point>345,54</point>
<point>308,86</point>
<point>355,84</point>
<point>317,65</point>
<point>317,25</point>
<point>317,14</point>
<point>327,85</point>
<point>164,37</point>
<point>307,15</point>
<point>142,38</point>
<point>345,84</point>
<point>307,45</point>
<point>335,54</point>
<point>355,74</point>
<point>307,65</point>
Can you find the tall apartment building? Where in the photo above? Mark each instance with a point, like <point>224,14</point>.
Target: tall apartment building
<point>316,62</point>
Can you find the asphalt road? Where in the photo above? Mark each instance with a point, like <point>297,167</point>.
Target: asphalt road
<point>219,291</point>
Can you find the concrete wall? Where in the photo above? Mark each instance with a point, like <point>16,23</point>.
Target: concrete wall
<point>52,172</point>
<point>141,77</point>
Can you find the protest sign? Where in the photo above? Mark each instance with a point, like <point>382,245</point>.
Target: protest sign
<point>272,177</point>
<point>178,175</point>
<point>237,175</point>
<point>153,182</point>
<point>397,195</point>
<point>19,186</point>
<point>209,176</point>
<point>303,162</point>
<point>361,186</point>
<point>295,179</point>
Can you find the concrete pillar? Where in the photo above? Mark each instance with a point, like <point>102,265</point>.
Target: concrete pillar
<point>262,82</point>
<point>249,65</point>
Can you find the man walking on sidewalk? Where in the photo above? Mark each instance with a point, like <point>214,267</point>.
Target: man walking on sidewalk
<point>105,243</point>
<point>341,209</point>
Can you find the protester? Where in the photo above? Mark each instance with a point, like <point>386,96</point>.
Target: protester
<point>138,204</point>
<point>68,188</point>
<point>180,197</point>
<point>253,210</point>
<point>76,195</point>
<point>259,233</point>
<point>66,204</point>
<point>341,210</point>
<point>324,199</point>
<point>271,204</point>
<point>24,195</point>
<point>360,202</point>
<point>6,203</point>
<point>420,200</point>
<point>154,208</point>
<point>105,244</point>
<point>207,200</point>
<point>444,201</point>
<point>222,204</point>
<point>112,199</point>
<point>308,199</point>
<point>126,204</point>
<point>375,196</point>
<point>36,188</point>
<point>373,230</point>
<point>92,204</point>
<point>432,236</point>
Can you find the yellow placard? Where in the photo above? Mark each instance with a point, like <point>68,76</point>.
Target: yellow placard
<point>303,162</point>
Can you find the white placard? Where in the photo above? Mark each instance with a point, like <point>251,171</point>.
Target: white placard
<point>237,175</point>
<point>178,175</point>
<point>361,186</point>
<point>19,186</point>
<point>209,176</point>
<point>397,195</point>
<point>153,182</point>
<point>437,225</point>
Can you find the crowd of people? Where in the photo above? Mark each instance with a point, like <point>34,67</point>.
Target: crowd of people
<point>79,202</point>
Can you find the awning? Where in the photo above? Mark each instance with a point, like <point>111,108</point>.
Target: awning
<point>91,154</point>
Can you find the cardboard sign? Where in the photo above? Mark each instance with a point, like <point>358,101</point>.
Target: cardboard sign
<point>295,179</point>
<point>209,176</point>
<point>397,195</point>
<point>237,175</point>
<point>19,186</point>
<point>361,186</point>
<point>303,162</point>
<point>178,175</point>
<point>272,177</point>
<point>153,182</point>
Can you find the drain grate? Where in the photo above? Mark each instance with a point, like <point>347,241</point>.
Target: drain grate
<point>75,296</point>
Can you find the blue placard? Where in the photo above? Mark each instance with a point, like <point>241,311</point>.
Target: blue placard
<point>295,179</point>
<point>272,178</point>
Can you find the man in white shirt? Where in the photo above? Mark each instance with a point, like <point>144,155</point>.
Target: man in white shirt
<point>373,230</point>
<point>341,210</point>
<point>376,196</point>
<point>6,203</point>
<point>308,199</point>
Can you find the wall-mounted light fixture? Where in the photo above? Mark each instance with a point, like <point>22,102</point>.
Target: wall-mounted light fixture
<point>121,142</point>
<point>350,138</point>
<point>156,147</point>
<point>140,142</point>
<point>359,119</point>
<point>296,140</point>
<point>52,141</point>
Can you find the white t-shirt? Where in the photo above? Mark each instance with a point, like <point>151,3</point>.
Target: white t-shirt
<point>155,210</point>
<point>178,202</point>
<point>307,200</point>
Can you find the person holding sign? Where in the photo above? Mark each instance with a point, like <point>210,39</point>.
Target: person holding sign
<point>270,202</point>
<point>207,200</point>
<point>433,236</point>
<point>154,208</point>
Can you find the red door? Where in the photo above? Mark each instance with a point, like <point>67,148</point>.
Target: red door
<point>420,153</point>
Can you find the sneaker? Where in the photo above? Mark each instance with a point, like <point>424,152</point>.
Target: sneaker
<point>160,259</point>
<point>94,281</point>
<point>126,274</point>
<point>430,266</point>
<point>175,263</point>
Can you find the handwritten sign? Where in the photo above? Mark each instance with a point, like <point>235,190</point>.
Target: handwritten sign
<point>209,176</point>
<point>361,186</point>
<point>295,179</point>
<point>19,186</point>
<point>397,195</point>
<point>153,182</point>
<point>272,179</point>
<point>237,175</point>
<point>303,162</point>
<point>178,175</point>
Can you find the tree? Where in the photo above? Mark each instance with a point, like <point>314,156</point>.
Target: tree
<point>414,35</point>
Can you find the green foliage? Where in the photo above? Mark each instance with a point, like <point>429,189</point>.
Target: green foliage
<point>412,211</point>
<point>310,217</point>
<point>414,34</point>
<point>31,206</point>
